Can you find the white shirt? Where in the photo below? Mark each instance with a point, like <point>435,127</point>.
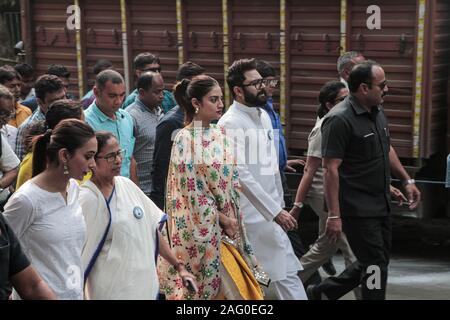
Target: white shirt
<point>52,233</point>
<point>262,192</point>
<point>9,132</point>
<point>8,162</point>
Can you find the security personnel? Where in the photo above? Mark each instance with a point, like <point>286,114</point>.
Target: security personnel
<point>358,160</point>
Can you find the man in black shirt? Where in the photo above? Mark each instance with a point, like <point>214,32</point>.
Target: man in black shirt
<point>358,160</point>
<point>16,270</point>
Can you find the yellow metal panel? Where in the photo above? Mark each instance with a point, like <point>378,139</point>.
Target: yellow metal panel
<point>79,59</point>
<point>180,32</point>
<point>226,57</point>
<point>419,78</point>
<point>343,26</point>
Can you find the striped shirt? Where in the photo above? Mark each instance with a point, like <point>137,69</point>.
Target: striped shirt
<point>145,122</point>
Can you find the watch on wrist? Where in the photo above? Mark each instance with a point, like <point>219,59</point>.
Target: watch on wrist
<point>409,181</point>
<point>299,205</point>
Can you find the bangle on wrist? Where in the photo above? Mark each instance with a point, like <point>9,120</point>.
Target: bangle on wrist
<point>299,205</point>
<point>409,181</point>
<point>334,217</point>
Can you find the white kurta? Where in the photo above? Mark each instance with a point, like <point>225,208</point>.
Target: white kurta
<point>126,267</point>
<point>262,192</point>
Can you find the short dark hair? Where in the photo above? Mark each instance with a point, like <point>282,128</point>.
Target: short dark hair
<point>361,73</point>
<point>7,73</point>
<point>62,109</point>
<point>101,65</point>
<point>328,93</point>
<point>145,81</point>
<point>24,69</point>
<point>346,59</point>
<point>265,69</point>
<point>58,70</point>
<point>188,70</point>
<point>235,73</point>
<point>108,75</point>
<point>145,58</point>
<point>47,83</point>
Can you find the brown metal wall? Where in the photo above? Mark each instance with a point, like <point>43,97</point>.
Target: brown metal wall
<point>52,42</point>
<point>393,47</point>
<point>255,32</point>
<point>313,35</point>
<point>439,72</point>
<point>101,27</point>
<point>154,29</point>
<point>312,48</point>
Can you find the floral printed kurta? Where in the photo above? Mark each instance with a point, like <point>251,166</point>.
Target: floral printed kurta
<point>202,181</point>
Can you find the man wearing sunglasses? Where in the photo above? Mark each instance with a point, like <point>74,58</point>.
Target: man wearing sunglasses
<point>358,160</point>
<point>145,62</point>
<point>250,129</point>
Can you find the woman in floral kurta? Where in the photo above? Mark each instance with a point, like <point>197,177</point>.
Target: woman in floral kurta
<point>202,199</point>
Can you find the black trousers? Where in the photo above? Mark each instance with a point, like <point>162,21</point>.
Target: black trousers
<point>370,240</point>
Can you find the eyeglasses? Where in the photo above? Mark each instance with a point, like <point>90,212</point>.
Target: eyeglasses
<point>157,70</point>
<point>381,85</point>
<point>340,99</point>
<point>272,83</point>
<point>258,84</point>
<point>111,157</point>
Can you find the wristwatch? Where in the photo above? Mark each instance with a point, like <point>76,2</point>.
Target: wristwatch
<point>299,205</point>
<point>409,181</point>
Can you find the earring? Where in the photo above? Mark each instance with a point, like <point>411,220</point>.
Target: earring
<point>66,169</point>
<point>196,110</point>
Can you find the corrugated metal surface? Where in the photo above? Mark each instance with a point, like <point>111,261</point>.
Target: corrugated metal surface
<point>154,29</point>
<point>393,47</point>
<point>314,48</point>
<point>313,43</point>
<point>52,42</point>
<point>204,35</point>
<point>102,34</point>
<point>255,32</point>
<point>439,72</point>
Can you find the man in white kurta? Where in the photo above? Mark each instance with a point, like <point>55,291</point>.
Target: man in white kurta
<point>262,195</point>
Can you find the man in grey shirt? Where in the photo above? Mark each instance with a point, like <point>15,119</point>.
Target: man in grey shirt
<point>146,113</point>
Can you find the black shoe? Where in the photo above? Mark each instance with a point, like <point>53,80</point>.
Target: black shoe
<point>312,294</point>
<point>329,268</point>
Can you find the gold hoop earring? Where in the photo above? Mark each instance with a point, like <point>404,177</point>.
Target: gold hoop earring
<point>66,169</point>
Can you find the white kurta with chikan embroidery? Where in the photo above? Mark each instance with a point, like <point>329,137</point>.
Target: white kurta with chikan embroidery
<point>262,192</point>
<point>126,267</point>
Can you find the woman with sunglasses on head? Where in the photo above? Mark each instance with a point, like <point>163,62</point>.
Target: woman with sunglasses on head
<point>45,213</point>
<point>123,237</point>
<point>205,225</point>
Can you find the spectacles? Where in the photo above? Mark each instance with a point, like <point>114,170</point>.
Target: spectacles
<point>381,85</point>
<point>340,99</point>
<point>272,83</point>
<point>157,70</point>
<point>111,157</point>
<point>258,84</point>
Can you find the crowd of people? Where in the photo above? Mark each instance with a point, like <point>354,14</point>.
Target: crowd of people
<point>169,194</point>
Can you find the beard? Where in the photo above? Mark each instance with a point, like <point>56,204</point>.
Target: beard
<point>257,100</point>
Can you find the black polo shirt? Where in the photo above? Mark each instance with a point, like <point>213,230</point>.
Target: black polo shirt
<point>12,259</point>
<point>361,139</point>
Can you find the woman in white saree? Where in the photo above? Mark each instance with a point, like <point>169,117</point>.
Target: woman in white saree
<point>123,240</point>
